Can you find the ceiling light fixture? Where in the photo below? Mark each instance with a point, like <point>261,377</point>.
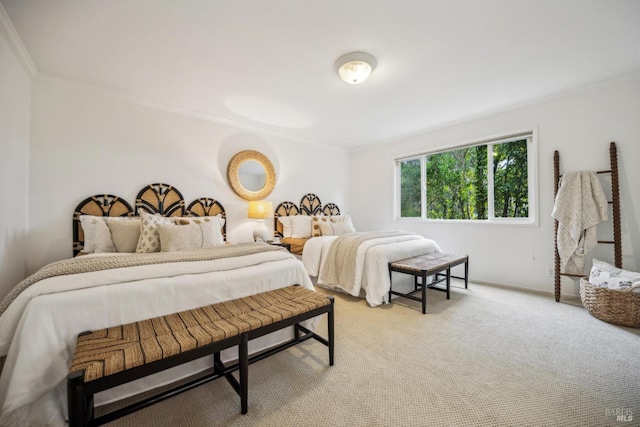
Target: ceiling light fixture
<point>355,67</point>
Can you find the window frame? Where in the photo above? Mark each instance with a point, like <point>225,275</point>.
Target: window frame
<point>530,135</point>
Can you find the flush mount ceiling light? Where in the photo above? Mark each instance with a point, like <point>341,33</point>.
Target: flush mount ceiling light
<point>355,67</point>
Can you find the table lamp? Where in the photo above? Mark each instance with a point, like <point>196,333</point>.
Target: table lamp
<point>259,210</point>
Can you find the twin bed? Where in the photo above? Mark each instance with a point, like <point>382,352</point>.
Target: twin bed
<point>41,318</point>
<point>337,256</point>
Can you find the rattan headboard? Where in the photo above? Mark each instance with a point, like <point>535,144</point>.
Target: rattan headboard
<point>158,198</point>
<point>310,204</point>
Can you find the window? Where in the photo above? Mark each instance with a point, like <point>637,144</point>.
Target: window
<point>490,180</point>
<point>410,189</point>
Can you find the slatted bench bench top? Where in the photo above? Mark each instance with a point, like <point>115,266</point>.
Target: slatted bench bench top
<point>109,351</point>
<point>432,262</point>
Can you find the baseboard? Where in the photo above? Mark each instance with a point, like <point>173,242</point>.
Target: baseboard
<point>524,289</point>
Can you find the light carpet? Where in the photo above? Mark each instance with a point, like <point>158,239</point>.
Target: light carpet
<point>486,357</point>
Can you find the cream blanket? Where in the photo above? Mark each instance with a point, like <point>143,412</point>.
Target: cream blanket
<point>340,265</point>
<point>579,206</point>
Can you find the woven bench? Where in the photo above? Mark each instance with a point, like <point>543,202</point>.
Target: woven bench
<point>423,266</point>
<point>106,358</point>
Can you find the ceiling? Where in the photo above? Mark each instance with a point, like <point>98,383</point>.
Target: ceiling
<point>269,64</point>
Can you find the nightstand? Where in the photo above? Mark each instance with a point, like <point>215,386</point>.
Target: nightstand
<point>287,246</point>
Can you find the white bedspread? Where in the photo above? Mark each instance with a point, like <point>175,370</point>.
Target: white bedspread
<point>372,262</point>
<point>39,331</point>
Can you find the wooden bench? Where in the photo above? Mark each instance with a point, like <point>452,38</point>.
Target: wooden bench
<point>423,266</point>
<point>110,357</point>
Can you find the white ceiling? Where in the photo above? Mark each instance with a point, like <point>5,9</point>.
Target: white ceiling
<point>270,63</point>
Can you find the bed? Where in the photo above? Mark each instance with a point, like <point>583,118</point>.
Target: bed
<point>39,327</point>
<point>337,256</point>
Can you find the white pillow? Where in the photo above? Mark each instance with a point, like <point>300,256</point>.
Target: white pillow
<point>343,226</point>
<point>183,220</point>
<point>102,237</point>
<point>286,225</point>
<point>189,236</point>
<point>149,236</point>
<point>335,225</point>
<point>125,233</point>
<point>88,223</point>
<point>609,276</point>
<point>300,226</point>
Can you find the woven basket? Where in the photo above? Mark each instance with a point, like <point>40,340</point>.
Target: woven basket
<point>617,307</point>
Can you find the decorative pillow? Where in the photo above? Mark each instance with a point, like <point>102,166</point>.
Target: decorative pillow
<point>214,223</point>
<point>300,226</point>
<point>315,226</point>
<point>343,225</point>
<point>125,233</point>
<point>609,276</point>
<point>189,236</point>
<point>149,237</point>
<point>286,225</point>
<point>88,223</point>
<point>335,225</point>
<point>184,220</point>
<point>102,237</point>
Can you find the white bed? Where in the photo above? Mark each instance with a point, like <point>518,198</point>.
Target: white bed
<point>312,228</point>
<point>38,332</point>
<point>38,329</point>
<point>371,264</point>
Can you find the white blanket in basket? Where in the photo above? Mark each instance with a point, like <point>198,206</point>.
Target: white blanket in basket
<point>608,276</point>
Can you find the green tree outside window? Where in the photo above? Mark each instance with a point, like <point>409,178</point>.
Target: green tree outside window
<point>457,183</point>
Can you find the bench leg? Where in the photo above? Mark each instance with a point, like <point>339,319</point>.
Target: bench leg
<point>390,286</point>
<point>217,362</point>
<point>448,282</point>
<point>76,401</point>
<point>296,331</point>
<point>424,291</point>
<point>218,366</point>
<point>243,353</point>
<point>466,274</point>
<point>330,331</point>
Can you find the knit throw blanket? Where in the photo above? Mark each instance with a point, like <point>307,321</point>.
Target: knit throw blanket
<point>580,205</point>
<point>340,264</point>
<point>86,264</point>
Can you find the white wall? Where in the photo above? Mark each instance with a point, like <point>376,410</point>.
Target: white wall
<point>580,124</point>
<point>15,95</point>
<point>86,142</point>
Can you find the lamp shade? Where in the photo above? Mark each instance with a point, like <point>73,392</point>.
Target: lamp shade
<point>260,209</point>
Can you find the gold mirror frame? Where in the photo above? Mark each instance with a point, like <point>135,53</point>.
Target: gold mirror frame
<point>232,175</point>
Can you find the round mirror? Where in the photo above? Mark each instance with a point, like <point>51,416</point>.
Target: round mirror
<point>251,175</point>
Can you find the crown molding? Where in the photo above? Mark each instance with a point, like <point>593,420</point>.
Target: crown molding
<point>10,34</point>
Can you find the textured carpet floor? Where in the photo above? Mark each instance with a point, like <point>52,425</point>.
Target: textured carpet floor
<point>487,357</point>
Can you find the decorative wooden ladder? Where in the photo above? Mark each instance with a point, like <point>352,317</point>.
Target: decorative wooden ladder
<point>617,234</point>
